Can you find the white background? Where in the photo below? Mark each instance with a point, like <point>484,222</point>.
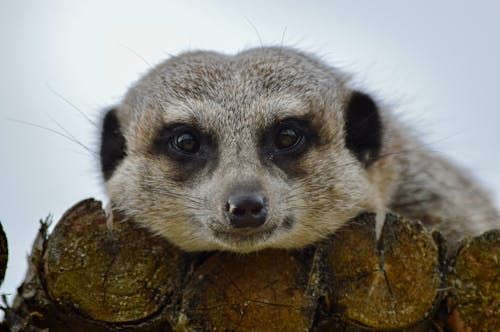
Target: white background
<point>437,62</point>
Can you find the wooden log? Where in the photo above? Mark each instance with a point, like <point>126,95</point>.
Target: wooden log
<point>389,285</point>
<point>89,275</point>
<point>24,314</point>
<point>271,290</point>
<point>474,283</point>
<point>119,274</point>
<point>4,253</point>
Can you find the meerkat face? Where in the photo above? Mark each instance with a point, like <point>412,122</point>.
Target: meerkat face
<point>268,148</point>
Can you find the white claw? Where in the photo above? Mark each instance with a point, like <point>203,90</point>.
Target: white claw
<point>109,217</point>
<point>379,222</point>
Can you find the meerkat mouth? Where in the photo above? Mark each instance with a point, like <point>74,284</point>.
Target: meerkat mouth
<point>243,236</point>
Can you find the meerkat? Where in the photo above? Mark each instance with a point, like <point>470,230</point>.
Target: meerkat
<point>271,148</point>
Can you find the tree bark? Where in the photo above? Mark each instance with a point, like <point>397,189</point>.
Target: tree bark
<point>94,275</point>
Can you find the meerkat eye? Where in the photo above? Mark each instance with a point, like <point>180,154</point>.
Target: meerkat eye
<point>287,138</point>
<point>182,142</point>
<point>186,143</point>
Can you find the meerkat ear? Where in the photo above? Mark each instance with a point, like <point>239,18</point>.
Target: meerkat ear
<point>363,128</point>
<point>113,146</point>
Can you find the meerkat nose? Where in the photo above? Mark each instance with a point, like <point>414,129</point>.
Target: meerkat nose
<point>246,210</point>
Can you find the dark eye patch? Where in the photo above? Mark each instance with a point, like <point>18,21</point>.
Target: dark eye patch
<point>186,145</point>
<point>286,141</point>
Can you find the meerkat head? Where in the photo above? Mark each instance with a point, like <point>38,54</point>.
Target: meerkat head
<point>267,148</point>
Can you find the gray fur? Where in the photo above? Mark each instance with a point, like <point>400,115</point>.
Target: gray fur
<point>234,98</point>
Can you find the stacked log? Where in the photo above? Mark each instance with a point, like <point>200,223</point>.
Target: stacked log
<point>94,275</point>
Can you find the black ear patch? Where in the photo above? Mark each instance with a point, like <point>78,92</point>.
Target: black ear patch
<point>363,128</point>
<point>113,146</point>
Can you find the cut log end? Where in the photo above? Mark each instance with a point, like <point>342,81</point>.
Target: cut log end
<point>113,275</point>
<point>270,289</point>
<point>475,285</point>
<point>390,285</point>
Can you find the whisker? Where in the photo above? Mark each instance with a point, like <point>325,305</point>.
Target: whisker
<point>138,55</point>
<point>68,137</point>
<point>283,37</point>
<point>191,199</point>
<point>256,31</point>
<point>71,104</point>
<point>62,128</point>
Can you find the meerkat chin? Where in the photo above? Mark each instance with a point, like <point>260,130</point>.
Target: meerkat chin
<point>270,148</point>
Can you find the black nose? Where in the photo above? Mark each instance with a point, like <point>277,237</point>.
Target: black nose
<point>246,210</point>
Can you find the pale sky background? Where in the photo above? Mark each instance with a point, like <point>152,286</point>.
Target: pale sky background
<point>437,62</point>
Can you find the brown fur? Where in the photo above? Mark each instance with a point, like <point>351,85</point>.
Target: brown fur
<point>234,99</point>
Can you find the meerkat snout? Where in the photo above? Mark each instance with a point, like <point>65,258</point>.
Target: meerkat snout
<point>177,150</point>
<point>246,209</point>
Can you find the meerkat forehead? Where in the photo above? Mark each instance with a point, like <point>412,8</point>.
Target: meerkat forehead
<point>217,91</point>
